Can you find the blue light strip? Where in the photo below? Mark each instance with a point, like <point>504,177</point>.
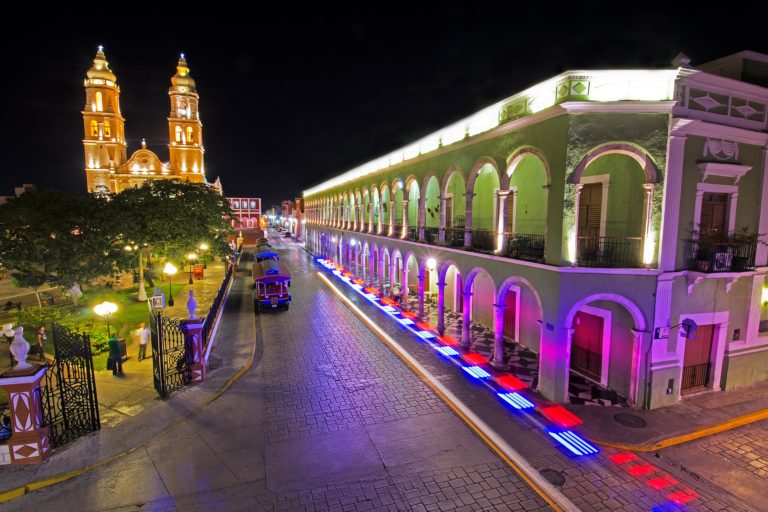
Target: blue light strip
<point>476,372</point>
<point>516,400</point>
<point>447,351</point>
<point>389,309</point>
<point>425,334</point>
<point>405,321</point>
<point>574,443</point>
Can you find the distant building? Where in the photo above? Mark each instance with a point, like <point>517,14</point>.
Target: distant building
<point>107,167</point>
<point>27,187</point>
<point>247,211</point>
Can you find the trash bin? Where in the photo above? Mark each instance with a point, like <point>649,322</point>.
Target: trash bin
<point>123,349</point>
<point>198,271</point>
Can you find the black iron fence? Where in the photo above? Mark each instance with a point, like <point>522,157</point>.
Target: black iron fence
<point>169,354</point>
<point>68,390</point>
<point>454,237</point>
<point>524,246</point>
<point>483,240</point>
<point>431,235</point>
<point>397,230</point>
<point>695,376</point>
<point>210,318</point>
<point>730,255</point>
<point>603,251</point>
<point>412,234</point>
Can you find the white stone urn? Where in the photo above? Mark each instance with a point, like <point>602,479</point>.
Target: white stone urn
<point>191,304</point>
<point>20,350</point>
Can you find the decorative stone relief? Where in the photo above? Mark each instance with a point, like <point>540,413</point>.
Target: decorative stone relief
<point>721,149</point>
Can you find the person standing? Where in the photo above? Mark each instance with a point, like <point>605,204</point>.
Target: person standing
<point>142,336</point>
<point>41,337</point>
<point>115,356</point>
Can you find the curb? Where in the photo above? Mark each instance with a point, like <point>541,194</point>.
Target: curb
<point>723,426</point>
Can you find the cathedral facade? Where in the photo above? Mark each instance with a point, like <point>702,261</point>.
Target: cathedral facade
<point>108,169</point>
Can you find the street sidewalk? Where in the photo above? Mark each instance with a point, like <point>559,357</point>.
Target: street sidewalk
<point>136,430</point>
<point>693,417</point>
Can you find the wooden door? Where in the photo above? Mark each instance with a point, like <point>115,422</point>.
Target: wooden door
<point>696,362</point>
<point>509,213</point>
<point>449,212</point>
<point>713,211</point>
<point>459,295</point>
<point>587,345</point>
<point>510,314</point>
<point>590,207</point>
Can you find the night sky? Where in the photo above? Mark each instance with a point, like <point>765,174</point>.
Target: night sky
<point>291,98</point>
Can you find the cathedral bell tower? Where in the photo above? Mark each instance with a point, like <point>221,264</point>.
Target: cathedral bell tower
<point>103,125</point>
<point>186,130</point>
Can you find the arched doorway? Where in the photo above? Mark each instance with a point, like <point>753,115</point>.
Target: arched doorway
<point>484,188</point>
<point>453,214</point>
<point>604,350</point>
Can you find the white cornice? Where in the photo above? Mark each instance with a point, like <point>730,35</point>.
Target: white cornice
<point>684,127</point>
<point>619,107</point>
<point>733,171</point>
<point>503,129</point>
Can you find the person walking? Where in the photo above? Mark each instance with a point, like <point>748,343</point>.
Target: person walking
<point>41,337</point>
<point>115,356</point>
<point>142,337</point>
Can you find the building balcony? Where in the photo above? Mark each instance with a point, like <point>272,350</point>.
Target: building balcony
<point>431,236</point>
<point>609,252</point>
<point>721,255</point>
<point>483,240</point>
<point>397,230</point>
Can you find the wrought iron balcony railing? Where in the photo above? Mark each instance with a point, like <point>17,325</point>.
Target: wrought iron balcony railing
<point>524,246</point>
<point>713,255</point>
<point>604,251</point>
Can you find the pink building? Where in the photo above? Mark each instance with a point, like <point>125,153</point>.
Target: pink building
<point>247,210</point>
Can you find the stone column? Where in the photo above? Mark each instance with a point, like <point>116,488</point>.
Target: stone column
<point>468,219</point>
<point>671,209</point>
<point>404,231</point>
<point>421,294</point>
<point>421,218</point>
<point>378,221</point>
<point>370,217</point>
<point>501,218</point>
<point>193,340</point>
<point>372,267</point>
<point>30,440</point>
<point>498,336</point>
<point>443,201</point>
<point>391,218</point>
<point>466,339</point>
<point>441,308</point>
<point>381,271</point>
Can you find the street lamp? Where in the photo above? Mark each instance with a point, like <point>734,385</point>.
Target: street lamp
<point>170,269</point>
<point>203,247</point>
<point>191,257</point>
<point>105,310</point>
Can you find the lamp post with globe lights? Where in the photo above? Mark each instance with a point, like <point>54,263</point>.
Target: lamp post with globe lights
<point>191,257</point>
<point>203,247</point>
<point>169,270</point>
<point>105,310</point>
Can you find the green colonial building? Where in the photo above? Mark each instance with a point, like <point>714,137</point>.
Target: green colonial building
<point>580,223</point>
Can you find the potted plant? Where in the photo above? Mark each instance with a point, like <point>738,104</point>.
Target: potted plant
<point>745,243</point>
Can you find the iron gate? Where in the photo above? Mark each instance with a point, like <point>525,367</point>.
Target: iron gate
<point>169,355</point>
<point>68,390</point>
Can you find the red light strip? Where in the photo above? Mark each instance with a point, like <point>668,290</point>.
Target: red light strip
<point>560,416</point>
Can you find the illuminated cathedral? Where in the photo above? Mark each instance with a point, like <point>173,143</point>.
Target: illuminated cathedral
<point>107,167</point>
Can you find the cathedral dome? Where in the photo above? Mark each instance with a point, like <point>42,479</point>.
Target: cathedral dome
<point>181,81</point>
<point>100,68</point>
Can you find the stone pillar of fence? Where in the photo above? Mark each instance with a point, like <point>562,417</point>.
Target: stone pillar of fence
<point>30,442</point>
<point>192,328</point>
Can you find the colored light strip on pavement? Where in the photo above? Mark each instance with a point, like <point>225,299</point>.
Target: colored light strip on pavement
<point>476,372</point>
<point>516,400</point>
<point>423,331</point>
<point>560,416</point>
<point>573,442</point>
<point>447,351</point>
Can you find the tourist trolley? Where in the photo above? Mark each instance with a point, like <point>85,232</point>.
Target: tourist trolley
<point>271,281</point>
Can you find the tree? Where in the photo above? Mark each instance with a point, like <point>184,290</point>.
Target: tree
<point>54,237</point>
<point>172,217</point>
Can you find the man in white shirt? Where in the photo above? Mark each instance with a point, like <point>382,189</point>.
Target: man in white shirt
<point>142,336</point>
